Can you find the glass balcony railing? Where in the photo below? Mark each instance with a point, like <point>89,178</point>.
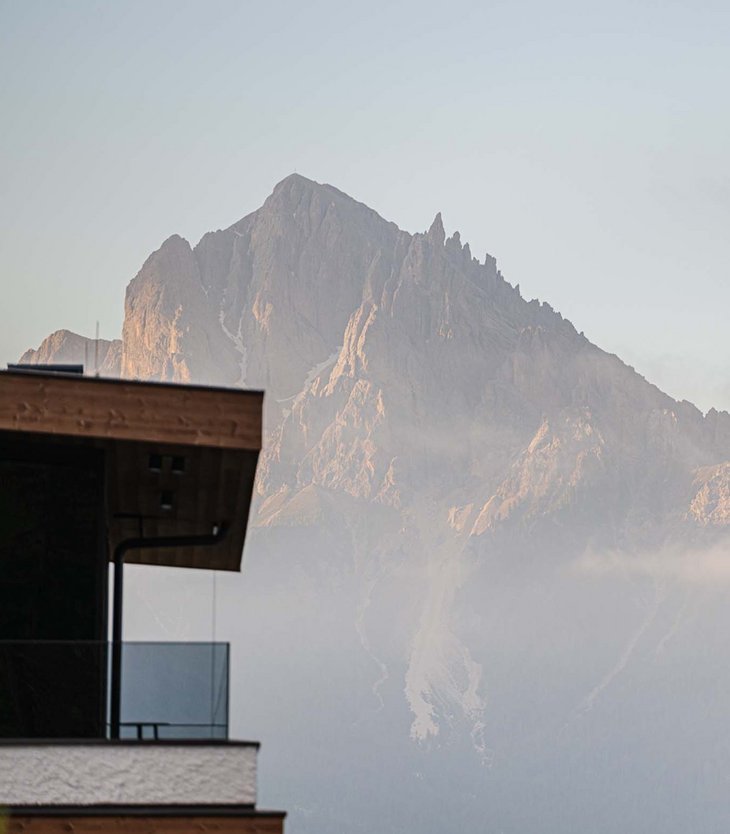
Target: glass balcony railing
<point>55,689</point>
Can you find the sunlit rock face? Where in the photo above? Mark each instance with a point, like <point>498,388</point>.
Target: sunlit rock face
<point>65,347</point>
<point>463,510</point>
<point>398,365</point>
<point>261,303</point>
<point>711,504</point>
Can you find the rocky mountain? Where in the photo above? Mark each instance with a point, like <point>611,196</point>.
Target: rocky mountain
<point>65,347</point>
<point>477,525</point>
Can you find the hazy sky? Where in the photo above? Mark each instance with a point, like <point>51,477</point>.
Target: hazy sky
<point>586,145</point>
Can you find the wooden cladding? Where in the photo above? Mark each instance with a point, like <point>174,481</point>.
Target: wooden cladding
<point>179,460</point>
<point>252,822</point>
<point>139,411</point>
<point>215,486</point>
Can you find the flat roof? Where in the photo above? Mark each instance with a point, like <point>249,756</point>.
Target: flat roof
<point>179,458</point>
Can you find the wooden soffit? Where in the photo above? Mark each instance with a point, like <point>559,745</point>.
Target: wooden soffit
<point>178,459</point>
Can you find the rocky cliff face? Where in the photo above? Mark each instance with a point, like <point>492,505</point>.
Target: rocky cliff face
<point>398,365</point>
<point>64,347</point>
<point>433,439</point>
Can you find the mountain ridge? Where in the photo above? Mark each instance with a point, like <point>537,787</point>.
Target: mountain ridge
<point>338,276</point>
<point>435,232</point>
<point>476,516</point>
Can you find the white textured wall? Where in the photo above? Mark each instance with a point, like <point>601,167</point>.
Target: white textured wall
<point>130,774</point>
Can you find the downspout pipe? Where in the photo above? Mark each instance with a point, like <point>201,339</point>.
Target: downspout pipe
<point>120,551</point>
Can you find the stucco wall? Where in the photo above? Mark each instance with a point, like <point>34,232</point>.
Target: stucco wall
<point>134,774</point>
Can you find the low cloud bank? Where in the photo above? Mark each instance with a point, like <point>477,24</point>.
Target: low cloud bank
<point>699,566</point>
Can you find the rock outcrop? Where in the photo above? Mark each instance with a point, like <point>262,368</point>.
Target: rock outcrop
<point>64,347</point>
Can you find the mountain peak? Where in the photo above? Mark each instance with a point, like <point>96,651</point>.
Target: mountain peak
<point>295,188</point>
<point>65,346</point>
<point>296,192</point>
<point>174,243</point>
<point>436,233</point>
<point>295,180</point>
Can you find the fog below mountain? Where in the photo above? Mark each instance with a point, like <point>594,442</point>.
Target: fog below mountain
<point>599,701</point>
<point>486,582</point>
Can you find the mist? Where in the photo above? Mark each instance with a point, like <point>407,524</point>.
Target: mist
<point>601,691</point>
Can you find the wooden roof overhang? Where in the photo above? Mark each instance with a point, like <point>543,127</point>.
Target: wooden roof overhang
<point>180,459</point>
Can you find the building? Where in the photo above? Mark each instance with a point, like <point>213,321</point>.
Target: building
<point>98,734</point>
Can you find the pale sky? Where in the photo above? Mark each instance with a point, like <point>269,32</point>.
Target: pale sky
<point>586,145</point>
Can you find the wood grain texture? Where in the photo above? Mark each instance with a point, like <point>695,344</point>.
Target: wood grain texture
<point>121,410</point>
<point>214,432</point>
<point>249,823</point>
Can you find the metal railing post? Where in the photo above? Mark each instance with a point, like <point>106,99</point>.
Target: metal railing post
<point>115,709</point>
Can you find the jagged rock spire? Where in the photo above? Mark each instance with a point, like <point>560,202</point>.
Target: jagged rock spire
<point>436,233</point>
<point>454,242</point>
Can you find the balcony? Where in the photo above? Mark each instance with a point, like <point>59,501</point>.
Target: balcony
<point>63,690</point>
